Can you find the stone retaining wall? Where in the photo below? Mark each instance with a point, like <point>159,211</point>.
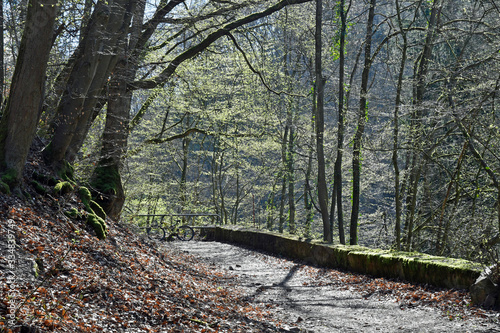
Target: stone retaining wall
<point>413,267</point>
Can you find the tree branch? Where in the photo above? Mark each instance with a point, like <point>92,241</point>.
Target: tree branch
<point>279,93</point>
<point>209,40</point>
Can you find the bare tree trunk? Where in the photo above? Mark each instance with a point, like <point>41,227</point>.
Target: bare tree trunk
<point>18,123</point>
<point>337,173</point>
<point>320,125</point>
<point>422,68</point>
<point>100,51</point>
<point>281,224</point>
<point>69,111</point>
<point>291,172</point>
<point>395,162</point>
<point>363,112</point>
<point>106,179</point>
<point>308,204</point>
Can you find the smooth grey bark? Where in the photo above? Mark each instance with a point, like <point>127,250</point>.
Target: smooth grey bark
<point>69,110</point>
<point>100,48</point>
<point>106,179</point>
<point>20,119</point>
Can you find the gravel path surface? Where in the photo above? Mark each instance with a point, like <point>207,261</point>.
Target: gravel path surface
<point>299,297</point>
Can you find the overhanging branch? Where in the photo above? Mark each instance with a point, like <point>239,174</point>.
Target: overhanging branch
<point>209,40</point>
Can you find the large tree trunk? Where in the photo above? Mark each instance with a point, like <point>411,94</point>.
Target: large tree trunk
<point>100,49</point>
<point>362,114</point>
<point>18,123</point>
<point>69,111</point>
<point>106,179</point>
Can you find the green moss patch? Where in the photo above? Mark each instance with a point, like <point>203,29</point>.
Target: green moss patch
<point>9,178</point>
<point>38,187</point>
<point>98,225</point>
<point>73,213</point>
<point>67,173</point>
<point>63,188</point>
<point>94,206</point>
<point>96,216</point>
<point>85,195</point>
<point>45,179</point>
<point>106,179</point>
<point>4,188</point>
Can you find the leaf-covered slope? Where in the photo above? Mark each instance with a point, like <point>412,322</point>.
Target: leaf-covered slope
<point>122,284</point>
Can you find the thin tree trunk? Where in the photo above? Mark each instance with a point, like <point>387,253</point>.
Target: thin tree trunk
<point>308,204</point>
<point>395,163</point>
<point>283,182</point>
<point>337,173</point>
<point>422,68</point>
<point>363,113</point>
<point>320,125</point>
<point>290,172</point>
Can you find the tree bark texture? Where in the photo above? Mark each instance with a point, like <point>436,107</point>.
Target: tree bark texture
<point>100,48</point>
<point>19,122</point>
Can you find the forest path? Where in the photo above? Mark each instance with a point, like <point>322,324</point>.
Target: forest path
<point>313,302</point>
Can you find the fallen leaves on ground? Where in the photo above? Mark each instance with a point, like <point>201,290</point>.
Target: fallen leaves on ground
<point>453,303</point>
<point>122,284</point>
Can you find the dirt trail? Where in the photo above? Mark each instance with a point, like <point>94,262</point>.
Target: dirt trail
<point>302,298</point>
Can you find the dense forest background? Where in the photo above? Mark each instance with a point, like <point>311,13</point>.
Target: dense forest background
<point>353,121</point>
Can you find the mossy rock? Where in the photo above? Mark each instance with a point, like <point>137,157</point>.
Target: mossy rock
<point>63,188</point>
<point>44,179</point>
<point>73,213</point>
<point>67,173</point>
<point>85,196</point>
<point>38,187</point>
<point>98,225</point>
<point>106,179</point>
<point>9,177</point>
<point>4,188</point>
<point>94,206</point>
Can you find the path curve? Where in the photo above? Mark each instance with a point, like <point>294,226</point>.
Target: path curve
<point>286,286</point>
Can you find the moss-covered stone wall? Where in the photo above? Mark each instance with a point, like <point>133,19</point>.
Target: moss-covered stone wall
<point>413,267</point>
